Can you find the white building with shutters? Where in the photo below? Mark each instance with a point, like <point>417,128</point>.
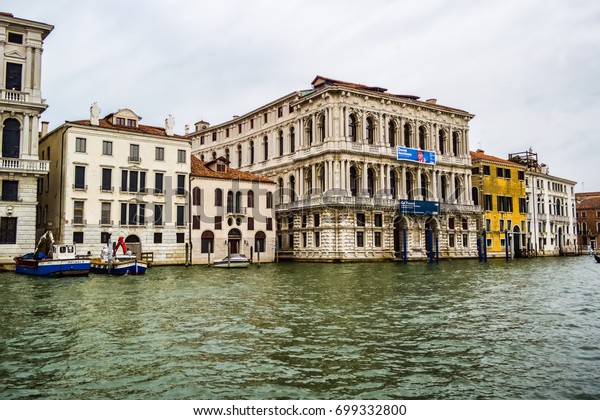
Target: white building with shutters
<point>113,177</point>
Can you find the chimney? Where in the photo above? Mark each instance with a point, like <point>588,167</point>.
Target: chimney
<point>169,124</point>
<point>95,114</point>
<point>44,128</point>
<point>187,129</point>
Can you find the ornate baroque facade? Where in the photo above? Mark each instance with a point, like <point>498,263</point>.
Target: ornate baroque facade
<point>333,151</point>
<point>21,105</point>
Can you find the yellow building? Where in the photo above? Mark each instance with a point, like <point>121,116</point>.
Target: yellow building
<point>499,189</point>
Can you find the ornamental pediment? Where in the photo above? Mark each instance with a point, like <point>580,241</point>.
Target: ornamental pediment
<point>14,54</point>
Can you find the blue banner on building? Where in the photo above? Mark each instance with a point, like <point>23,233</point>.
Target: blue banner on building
<point>419,207</point>
<point>415,155</point>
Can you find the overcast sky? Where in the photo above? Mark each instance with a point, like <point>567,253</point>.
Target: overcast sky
<point>529,70</point>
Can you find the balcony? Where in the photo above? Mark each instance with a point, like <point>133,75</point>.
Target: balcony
<point>24,165</point>
<point>14,96</point>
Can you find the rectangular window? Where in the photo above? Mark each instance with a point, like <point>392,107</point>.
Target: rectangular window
<point>159,183</point>
<point>106,179</point>
<point>487,202</point>
<point>465,223</point>
<point>195,222</point>
<point>486,170</point>
<point>465,240</point>
<point>377,239</point>
<point>133,181</point>
<point>10,190</point>
<point>180,237</point>
<point>180,215</point>
<point>522,205</point>
<point>451,223</point>
<point>521,175</point>
<point>80,177</point>
<point>107,148</point>
<point>104,237</point>
<point>488,225</point>
<point>78,213</point>
<point>218,222</point>
<point>451,240</point>
<point>133,219</point>
<point>475,170</point>
<point>378,220</point>
<point>317,239</point>
<point>304,240</point>
<point>158,237</point>
<point>158,215</point>
<point>159,153</point>
<point>269,223</point>
<point>304,220</point>
<point>507,173</point>
<point>105,214</point>
<point>77,237</point>
<point>499,172</point>
<point>14,74</point>
<point>134,153</point>
<point>317,219</point>
<point>15,38</point>
<point>123,219</point>
<point>501,225</point>
<point>291,222</point>
<point>280,112</point>
<point>8,230</point>
<point>489,242</point>
<point>181,158</point>
<point>360,219</point>
<point>360,239</point>
<point>80,145</point>
<point>180,185</point>
<point>250,223</point>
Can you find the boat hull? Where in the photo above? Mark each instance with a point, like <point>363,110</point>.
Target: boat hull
<point>119,268</point>
<point>47,268</point>
<point>597,258</point>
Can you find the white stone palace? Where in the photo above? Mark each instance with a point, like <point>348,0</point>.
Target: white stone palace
<point>21,105</point>
<point>343,192</point>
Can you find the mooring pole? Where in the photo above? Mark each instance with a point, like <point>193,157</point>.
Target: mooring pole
<point>404,255</point>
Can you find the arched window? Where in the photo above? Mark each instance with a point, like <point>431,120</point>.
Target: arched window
<point>269,200</point>
<point>444,188</point>
<point>442,141</point>
<point>422,136</point>
<point>406,135</point>
<point>424,186</point>
<point>227,154</point>
<point>251,153</point>
<point>207,242</point>
<point>292,140</point>
<point>218,197</point>
<point>370,131</point>
<point>239,150</point>
<point>280,137</point>
<point>475,195</point>
<point>292,189</point>
<point>322,128</point>
<point>280,190</point>
<point>260,241</point>
<point>393,184</point>
<point>308,177</point>
<point>352,128</point>
<point>322,178</point>
<point>11,139</point>
<point>370,182</point>
<point>266,148</point>
<point>392,133</point>
<point>409,186</point>
<point>238,202</point>
<point>230,202</point>
<point>309,131</point>
<point>353,182</point>
<point>202,157</point>
<point>196,196</point>
<point>250,199</point>
<point>214,155</point>
<point>455,143</point>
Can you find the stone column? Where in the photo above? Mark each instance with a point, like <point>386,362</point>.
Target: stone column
<point>419,195</point>
<point>453,189</point>
<point>382,182</point>
<point>403,193</point>
<point>434,184</point>
<point>313,177</point>
<point>2,79</point>
<point>37,71</point>
<point>365,184</point>
<point>28,67</point>
<point>388,172</point>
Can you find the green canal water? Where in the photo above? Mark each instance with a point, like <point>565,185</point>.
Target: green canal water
<point>527,329</point>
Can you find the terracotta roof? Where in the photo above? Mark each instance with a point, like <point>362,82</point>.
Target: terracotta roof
<point>320,81</point>
<point>200,168</point>
<point>480,155</point>
<point>588,201</point>
<point>140,129</point>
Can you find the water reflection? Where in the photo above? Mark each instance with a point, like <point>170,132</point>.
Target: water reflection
<point>460,329</point>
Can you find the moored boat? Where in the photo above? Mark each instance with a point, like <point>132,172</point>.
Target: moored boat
<point>110,263</point>
<point>597,258</point>
<point>233,261</point>
<point>52,260</point>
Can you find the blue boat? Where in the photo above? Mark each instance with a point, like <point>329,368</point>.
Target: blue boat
<point>110,263</point>
<point>52,260</point>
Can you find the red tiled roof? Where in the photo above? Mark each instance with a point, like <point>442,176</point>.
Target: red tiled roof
<point>140,129</point>
<point>480,155</point>
<point>326,81</point>
<point>588,201</point>
<point>200,168</point>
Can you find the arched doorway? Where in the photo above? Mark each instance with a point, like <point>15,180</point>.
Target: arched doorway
<point>134,245</point>
<point>260,241</point>
<point>234,238</point>
<point>560,241</point>
<point>400,227</point>
<point>517,242</point>
<point>431,228</point>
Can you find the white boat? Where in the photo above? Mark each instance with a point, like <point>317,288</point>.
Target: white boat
<point>110,263</point>
<point>233,261</point>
